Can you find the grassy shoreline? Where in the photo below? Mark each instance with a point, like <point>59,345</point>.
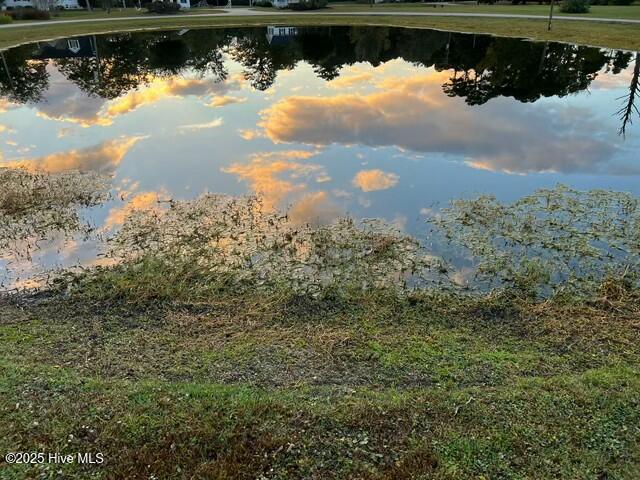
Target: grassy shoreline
<point>298,353</point>
<point>290,388</point>
<point>595,34</point>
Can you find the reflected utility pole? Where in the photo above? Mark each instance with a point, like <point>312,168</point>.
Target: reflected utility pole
<point>98,73</point>
<point>543,56</point>
<point>6,69</point>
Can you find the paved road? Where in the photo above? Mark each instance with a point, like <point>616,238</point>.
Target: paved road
<point>246,12</point>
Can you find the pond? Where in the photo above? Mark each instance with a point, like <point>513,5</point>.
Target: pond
<point>324,122</point>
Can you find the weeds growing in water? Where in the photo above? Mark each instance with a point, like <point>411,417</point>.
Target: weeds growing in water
<point>554,241</point>
<point>217,242</point>
<point>35,204</point>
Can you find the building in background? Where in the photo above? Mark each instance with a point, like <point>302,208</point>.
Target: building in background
<point>66,4</point>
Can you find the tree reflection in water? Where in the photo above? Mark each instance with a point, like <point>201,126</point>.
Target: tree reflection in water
<point>630,107</point>
<point>484,67</point>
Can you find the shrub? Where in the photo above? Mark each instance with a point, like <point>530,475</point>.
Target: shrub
<point>263,3</point>
<point>620,2</point>
<point>29,14</point>
<point>574,6</point>
<point>4,19</point>
<point>163,7</point>
<point>309,4</point>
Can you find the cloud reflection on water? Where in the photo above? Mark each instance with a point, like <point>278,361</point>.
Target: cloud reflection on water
<point>364,121</point>
<point>412,113</point>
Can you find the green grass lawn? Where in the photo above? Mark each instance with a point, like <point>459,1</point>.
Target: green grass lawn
<point>369,387</point>
<point>597,34</point>
<point>98,13</point>
<point>122,12</point>
<point>601,11</point>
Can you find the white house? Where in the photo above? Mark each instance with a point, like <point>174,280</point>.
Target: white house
<point>66,4</point>
<point>283,3</point>
<point>184,4</point>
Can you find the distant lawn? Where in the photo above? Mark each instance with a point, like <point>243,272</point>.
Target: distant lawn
<point>98,13</point>
<point>119,13</point>
<point>125,12</point>
<point>598,11</point>
<point>597,34</point>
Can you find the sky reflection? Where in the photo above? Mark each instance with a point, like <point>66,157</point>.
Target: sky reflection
<point>391,129</point>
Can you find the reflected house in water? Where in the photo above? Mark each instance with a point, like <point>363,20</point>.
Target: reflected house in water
<point>78,47</point>
<point>280,35</point>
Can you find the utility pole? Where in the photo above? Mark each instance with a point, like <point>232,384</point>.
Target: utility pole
<point>552,2</point>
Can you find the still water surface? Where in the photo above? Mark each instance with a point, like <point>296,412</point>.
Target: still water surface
<point>364,121</point>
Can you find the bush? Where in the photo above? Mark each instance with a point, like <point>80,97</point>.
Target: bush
<point>263,3</point>
<point>4,19</point>
<point>309,4</point>
<point>574,6</point>
<point>29,14</point>
<point>163,7</point>
<point>620,2</point>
